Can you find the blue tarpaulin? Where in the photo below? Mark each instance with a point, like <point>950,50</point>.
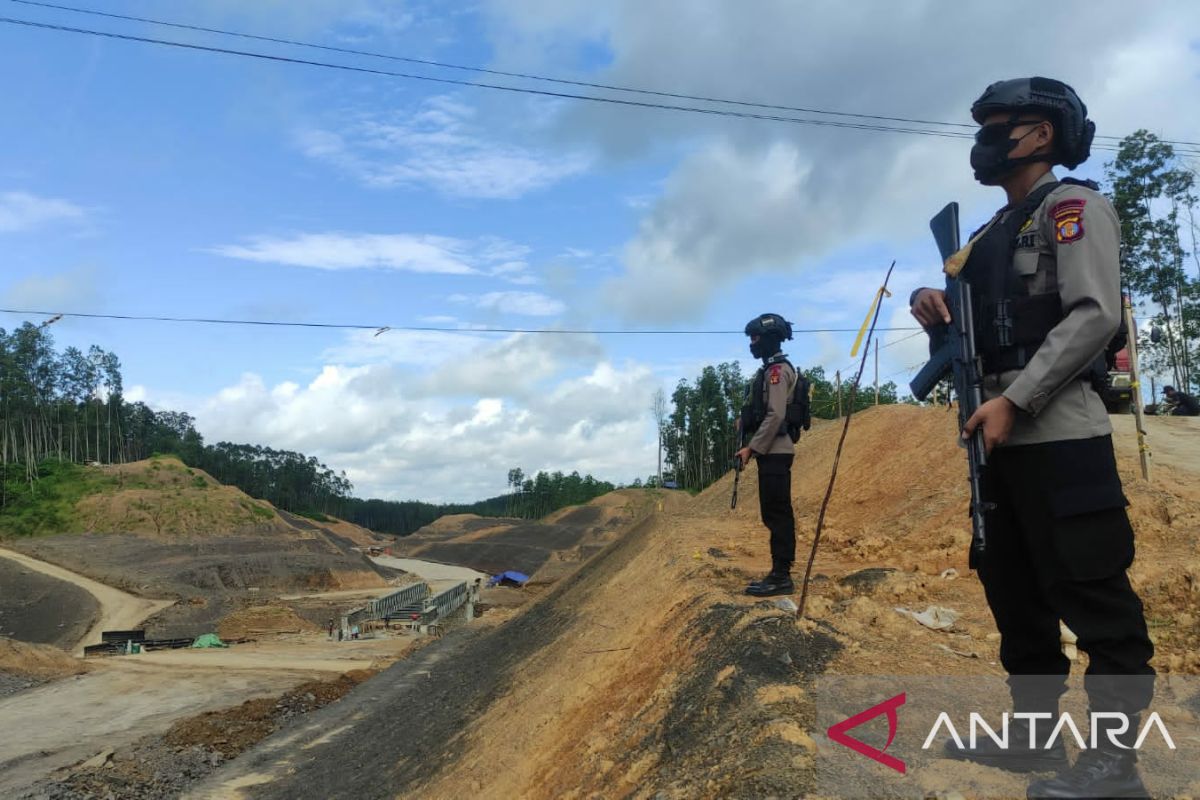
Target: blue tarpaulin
<point>509,576</point>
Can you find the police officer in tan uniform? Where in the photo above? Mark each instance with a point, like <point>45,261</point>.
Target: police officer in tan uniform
<point>764,420</point>
<point>1046,298</point>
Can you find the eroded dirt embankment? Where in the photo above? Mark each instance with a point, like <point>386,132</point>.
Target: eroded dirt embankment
<point>648,673</point>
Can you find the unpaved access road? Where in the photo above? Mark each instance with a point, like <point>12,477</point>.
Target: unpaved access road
<point>61,723</point>
<point>431,571</point>
<point>118,610</point>
<point>1173,441</point>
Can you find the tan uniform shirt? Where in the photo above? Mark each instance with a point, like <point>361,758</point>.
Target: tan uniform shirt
<point>1071,246</point>
<point>771,438</point>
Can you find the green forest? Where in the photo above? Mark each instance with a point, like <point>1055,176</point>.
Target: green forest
<point>68,408</point>
<point>697,429</point>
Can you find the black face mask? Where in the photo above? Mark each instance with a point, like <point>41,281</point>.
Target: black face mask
<point>989,155</point>
<point>765,347</point>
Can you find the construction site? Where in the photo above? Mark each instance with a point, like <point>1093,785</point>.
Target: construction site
<point>629,664</point>
<point>580,400</point>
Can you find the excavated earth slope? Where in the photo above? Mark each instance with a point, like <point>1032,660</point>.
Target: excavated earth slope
<point>649,674</point>
<point>161,529</point>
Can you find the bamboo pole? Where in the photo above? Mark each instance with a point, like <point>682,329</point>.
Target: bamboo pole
<point>1136,390</point>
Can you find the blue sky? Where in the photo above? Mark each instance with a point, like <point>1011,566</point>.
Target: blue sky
<point>140,179</point>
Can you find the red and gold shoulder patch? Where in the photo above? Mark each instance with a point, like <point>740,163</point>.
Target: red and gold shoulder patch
<point>774,375</point>
<point>1068,220</point>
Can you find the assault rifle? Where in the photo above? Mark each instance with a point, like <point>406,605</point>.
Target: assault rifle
<point>737,467</point>
<point>952,351</point>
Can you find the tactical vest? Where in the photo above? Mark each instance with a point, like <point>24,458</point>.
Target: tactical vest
<point>1010,323</point>
<point>797,416</point>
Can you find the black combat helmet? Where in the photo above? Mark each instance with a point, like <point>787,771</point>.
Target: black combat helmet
<point>769,325</point>
<point>1074,131</point>
<point>772,330</point>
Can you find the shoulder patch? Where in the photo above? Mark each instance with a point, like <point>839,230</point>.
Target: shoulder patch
<point>1068,220</point>
<point>774,377</point>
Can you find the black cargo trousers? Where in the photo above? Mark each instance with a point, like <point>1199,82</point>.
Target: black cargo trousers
<point>1058,545</point>
<point>775,504</point>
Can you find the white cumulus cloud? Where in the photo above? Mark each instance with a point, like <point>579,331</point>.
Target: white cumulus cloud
<point>534,402</point>
<point>398,251</point>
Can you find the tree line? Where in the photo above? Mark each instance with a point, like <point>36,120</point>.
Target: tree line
<point>536,497</point>
<point>697,431</point>
<point>1154,193</point>
<point>68,407</point>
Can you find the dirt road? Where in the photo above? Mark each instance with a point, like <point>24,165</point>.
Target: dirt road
<point>307,653</point>
<point>430,571</point>
<point>61,723</point>
<point>1173,441</point>
<point>118,610</point>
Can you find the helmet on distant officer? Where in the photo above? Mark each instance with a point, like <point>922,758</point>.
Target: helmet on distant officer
<point>772,330</point>
<point>1043,99</point>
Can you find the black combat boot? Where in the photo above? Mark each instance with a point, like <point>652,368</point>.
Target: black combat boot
<point>1019,756</point>
<point>1106,771</point>
<point>778,581</point>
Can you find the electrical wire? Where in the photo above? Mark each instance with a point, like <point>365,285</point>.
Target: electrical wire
<point>501,87</point>
<point>522,75</point>
<point>409,328</point>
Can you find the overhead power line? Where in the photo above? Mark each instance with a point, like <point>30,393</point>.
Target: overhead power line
<point>409,328</point>
<point>524,75</point>
<point>501,87</point>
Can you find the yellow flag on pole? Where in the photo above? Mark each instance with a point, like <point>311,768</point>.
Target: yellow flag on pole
<point>866,322</point>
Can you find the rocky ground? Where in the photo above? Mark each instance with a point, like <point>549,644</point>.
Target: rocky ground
<point>160,767</point>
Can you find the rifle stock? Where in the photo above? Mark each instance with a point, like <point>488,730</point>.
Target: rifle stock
<point>952,352</point>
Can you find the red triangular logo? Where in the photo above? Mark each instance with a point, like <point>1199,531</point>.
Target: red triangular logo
<point>838,732</point>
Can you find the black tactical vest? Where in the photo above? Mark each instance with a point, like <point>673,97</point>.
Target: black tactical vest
<point>1010,324</point>
<point>758,398</point>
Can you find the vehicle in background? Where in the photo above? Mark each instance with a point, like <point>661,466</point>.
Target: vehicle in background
<point>1118,394</point>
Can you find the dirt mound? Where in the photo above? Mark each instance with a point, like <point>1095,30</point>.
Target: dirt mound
<point>38,661</point>
<point>162,496</point>
<point>495,544</point>
<point>262,621</point>
<point>358,535</point>
<point>232,730</point>
<point>901,494</point>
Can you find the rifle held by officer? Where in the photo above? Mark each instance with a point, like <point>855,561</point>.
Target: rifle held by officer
<point>952,352</point>
<point>737,467</point>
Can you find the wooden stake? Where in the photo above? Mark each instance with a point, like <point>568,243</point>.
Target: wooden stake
<point>1136,390</point>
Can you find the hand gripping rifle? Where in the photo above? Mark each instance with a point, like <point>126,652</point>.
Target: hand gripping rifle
<point>952,351</point>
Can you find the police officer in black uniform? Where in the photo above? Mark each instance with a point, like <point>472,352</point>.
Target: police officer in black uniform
<point>1046,300</point>
<point>764,429</point>
<point>1182,403</point>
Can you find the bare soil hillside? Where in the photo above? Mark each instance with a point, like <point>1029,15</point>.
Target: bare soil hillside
<point>545,548</point>
<point>650,674</point>
<point>161,529</point>
<point>162,496</point>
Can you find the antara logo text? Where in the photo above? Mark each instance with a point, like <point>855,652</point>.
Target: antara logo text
<point>976,723</point>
